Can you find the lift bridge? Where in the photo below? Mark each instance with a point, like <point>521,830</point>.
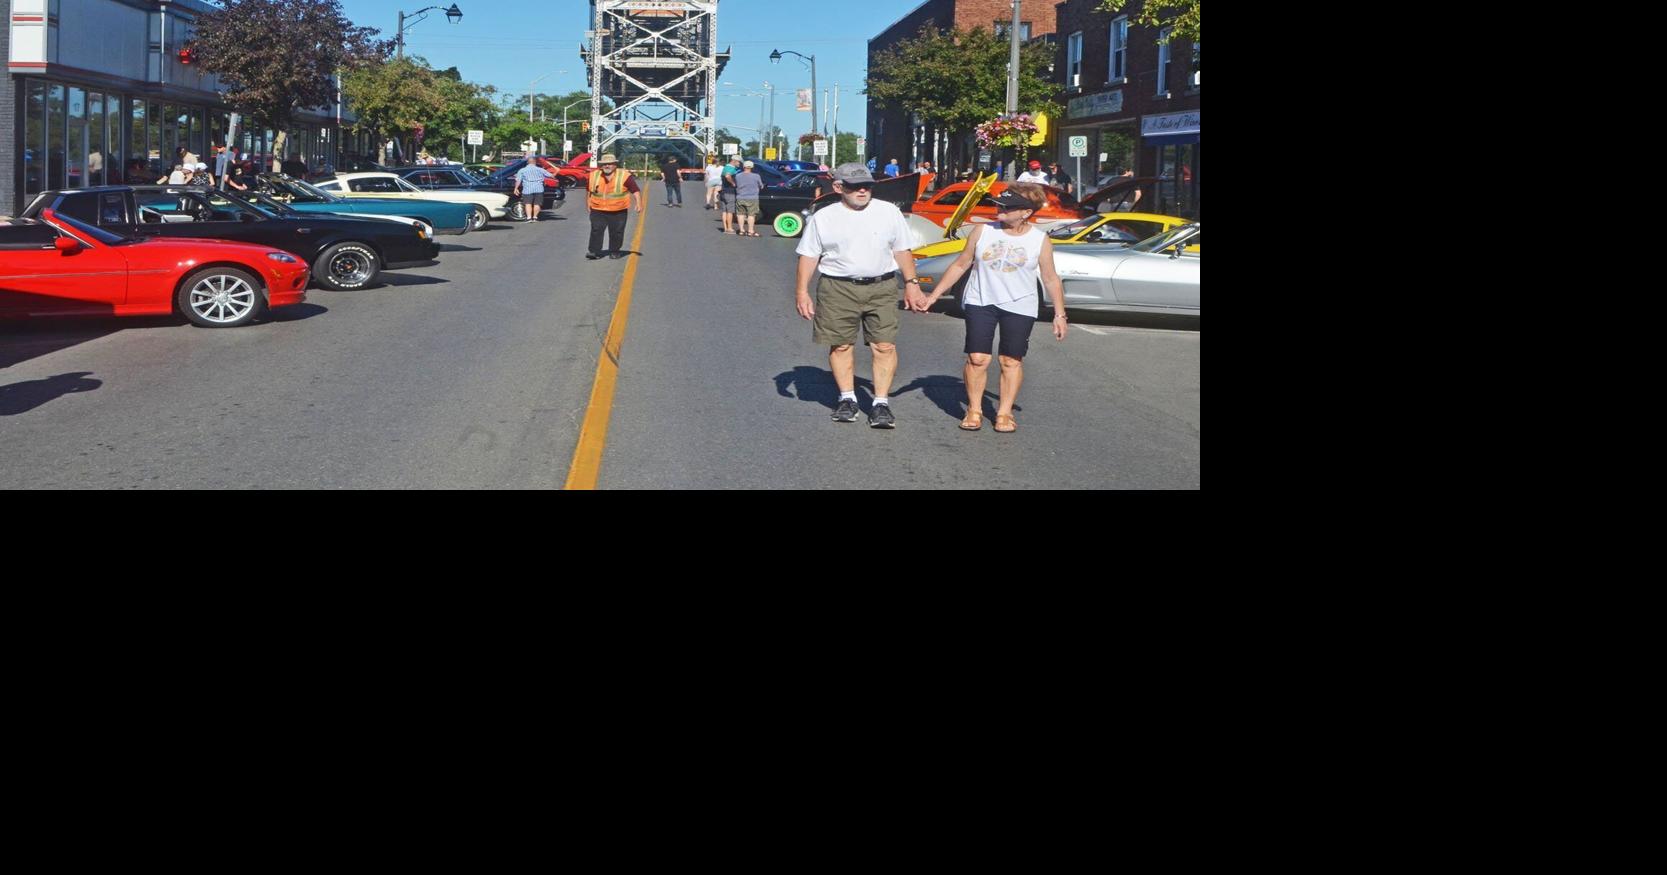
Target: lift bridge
<point>657,62</point>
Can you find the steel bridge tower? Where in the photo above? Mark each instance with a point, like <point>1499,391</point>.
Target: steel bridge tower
<point>658,62</point>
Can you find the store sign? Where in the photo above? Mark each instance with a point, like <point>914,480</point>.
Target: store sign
<point>1170,123</point>
<point>1104,103</point>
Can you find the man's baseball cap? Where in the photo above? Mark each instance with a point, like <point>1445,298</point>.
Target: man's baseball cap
<point>747,163</point>
<point>852,172</point>
<point>1035,165</point>
<point>1009,200</point>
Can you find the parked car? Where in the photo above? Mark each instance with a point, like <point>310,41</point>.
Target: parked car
<point>305,197</point>
<point>345,253</point>
<point>1097,227</point>
<point>939,207</point>
<point>569,174</point>
<point>792,167</point>
<point>900,190</point>
<point>1157,275</point>
<point>60,266</point>
<point>487,205</point>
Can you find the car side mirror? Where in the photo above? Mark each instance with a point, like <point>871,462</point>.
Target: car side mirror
<point>67,245</point>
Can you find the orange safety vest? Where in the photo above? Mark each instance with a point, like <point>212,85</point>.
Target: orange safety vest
<point>609,201</point>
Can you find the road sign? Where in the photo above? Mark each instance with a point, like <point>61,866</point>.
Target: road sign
<point>1079,147</point>
<point>819,148</point>
<point>477,138</point>
<point>509,154</point>
<point>654,132</point>
<point>862,145</point>
<point>732,148</point>
<point>567,145</point>
<point>770,154</point>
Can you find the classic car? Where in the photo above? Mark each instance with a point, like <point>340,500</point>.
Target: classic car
<point>899,190</point>
<point>940,206</point>
<point>1157,275</point>
<point>60,266</point>
<point>305,197</point>
<point>345,253</point>
<point>1101,227</point>
<point>487,205</point>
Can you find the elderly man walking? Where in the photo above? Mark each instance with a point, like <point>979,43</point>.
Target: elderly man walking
<point>611,192</point>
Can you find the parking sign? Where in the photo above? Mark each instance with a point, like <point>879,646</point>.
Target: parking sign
<point>1079,147</point>
<point>819,148</point>
<point>477,138</point>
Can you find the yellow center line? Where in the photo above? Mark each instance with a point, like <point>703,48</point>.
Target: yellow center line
<point>593,434</point>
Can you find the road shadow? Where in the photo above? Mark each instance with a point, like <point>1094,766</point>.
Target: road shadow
<point>405,279</point>
<point>26,396</point>
<point>30,339</point>
<point>295,313</point>
<point>950,394</point>
<point>458,247</point>
<point>951,307</point>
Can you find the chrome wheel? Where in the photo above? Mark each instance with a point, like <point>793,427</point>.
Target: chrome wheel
<point>221,298</point>
<point>351,268</point>
<point>478,218</point>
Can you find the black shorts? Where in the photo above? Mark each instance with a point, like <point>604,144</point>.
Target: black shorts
<point>981,330</point>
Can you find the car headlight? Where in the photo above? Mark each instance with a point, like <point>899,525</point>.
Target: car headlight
<point>283,257</point>
<point>422,232</point>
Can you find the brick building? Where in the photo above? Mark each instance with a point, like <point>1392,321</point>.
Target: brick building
<point>895,133</point>
<point>1135,101</point>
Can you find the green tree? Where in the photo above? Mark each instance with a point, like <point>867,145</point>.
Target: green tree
<point>957,78</point>
<point>394,98</point>
<point>1183,15</point>
<point>277,57</point>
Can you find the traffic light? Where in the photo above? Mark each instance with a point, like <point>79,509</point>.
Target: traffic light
<point>584,126</point>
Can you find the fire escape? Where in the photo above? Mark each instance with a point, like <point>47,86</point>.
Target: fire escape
<point>658,63</point>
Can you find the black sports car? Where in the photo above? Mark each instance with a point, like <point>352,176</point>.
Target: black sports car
<point>345,253</point>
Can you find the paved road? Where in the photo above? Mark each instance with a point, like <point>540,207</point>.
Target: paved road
<point>477,374</point>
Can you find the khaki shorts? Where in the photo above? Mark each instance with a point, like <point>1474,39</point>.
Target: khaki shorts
<point>747,206</point>
<point>841,306</point>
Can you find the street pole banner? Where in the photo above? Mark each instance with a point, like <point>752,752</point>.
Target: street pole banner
<point>804,100</point>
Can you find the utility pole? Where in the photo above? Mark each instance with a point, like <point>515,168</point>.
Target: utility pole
<point>401,37</point>
<point>833,151</point>
<point>1013,74</point>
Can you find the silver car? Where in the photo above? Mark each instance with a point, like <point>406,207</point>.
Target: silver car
<point>1156,275</point>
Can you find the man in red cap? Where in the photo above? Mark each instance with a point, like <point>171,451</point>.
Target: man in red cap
<point>1034,174</point>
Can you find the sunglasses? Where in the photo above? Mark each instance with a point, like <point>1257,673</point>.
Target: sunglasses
<point>857,186</point>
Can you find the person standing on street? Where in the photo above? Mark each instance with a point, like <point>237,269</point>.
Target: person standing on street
<point>611,192</point>
<point>1002,292</point>
<point>674,183</point>
<point>714,181</point>
<point>726,196</point>
<point>892,169</point>
<point>1060,179</point>
<point>747,187</point>
<point>529,187</point>
<point>1034,174</point>
<point>859,245</point>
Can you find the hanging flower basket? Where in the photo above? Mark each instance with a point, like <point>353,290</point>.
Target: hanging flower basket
<point>1008,130</point>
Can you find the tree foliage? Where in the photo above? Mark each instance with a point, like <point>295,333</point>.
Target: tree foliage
<point>958,78</point>
<point>1183,15</point>
<point>277,57</point>
<point>393,99</point>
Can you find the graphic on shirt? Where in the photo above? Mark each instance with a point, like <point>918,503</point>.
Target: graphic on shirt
<point>1004,256</point>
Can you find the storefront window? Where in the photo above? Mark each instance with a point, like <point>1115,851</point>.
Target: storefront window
<point>1117,144</point>
<point>95,139</point>
<point>34,139</point>
<point>199,133</point>
<point>138,149</point>
<point>1178,172</point>
<point>155,152</point>
<point>181,119</point>
<point>77,138</point>
<point>55,137</point>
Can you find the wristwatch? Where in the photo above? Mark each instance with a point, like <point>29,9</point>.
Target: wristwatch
<point>915,280</point>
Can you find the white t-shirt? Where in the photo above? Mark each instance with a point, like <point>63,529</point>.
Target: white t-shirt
<point>856,243</point>
<point>714,174</point>
<point>1004,270</point>
<point>1033,176</point>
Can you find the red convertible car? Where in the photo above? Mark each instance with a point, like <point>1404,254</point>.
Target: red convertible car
<point>59,266</point>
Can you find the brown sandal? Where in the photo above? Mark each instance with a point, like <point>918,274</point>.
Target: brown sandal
<point>1005,423</point>
<point>973,422</point>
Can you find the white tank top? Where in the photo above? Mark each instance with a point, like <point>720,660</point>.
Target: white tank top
<point>1005,269</point>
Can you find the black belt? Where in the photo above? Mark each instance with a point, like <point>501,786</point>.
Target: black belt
<point>861,280</point>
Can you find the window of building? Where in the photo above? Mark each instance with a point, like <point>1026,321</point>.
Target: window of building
<point>1073,61</point>
<point>97,137</point>
<point>1163,62</point>
<point>160,157</point>
<point>34,139</point>
<point>77,143</point>
<point>1119,66</point>
<point>1024,29</point>
<point>55,136</point>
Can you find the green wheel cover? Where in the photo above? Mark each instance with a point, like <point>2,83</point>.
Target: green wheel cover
<point>789,225</point>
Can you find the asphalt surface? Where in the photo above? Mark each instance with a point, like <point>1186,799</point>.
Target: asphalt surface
<point>476,373</point>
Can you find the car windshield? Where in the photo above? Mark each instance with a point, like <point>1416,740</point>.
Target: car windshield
<point>1066,232</point>
<point>299,190</point>
<point>1160,242</point>
<point>266,203</point>
<point>467,177</point>
<point>99,234</point>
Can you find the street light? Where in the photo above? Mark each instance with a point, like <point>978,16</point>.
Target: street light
<point>775,58</point>
<point>535,82</point>
<point>453,15</point>
<point>564,139</point>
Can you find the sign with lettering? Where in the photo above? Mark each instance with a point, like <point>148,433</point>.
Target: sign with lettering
<point>1079,147</point>
<point>1104,103</point>
<point>819,148</point>
<point>476,138</point>
<point>1170,123</point>
<point>732,148</point>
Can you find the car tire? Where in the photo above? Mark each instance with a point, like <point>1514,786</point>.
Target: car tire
<point>220,297</point>
<point>789,224</point>
<point>479,218</point>
<point>518,211</point>
<point>346,267</point>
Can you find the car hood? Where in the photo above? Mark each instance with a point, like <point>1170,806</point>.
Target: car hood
<point>980,187</point>
<point>1118,189</point>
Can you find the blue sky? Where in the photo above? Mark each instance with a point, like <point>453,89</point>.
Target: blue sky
<point>507,43</point>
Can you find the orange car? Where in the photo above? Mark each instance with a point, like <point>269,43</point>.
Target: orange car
<point>941,206</point>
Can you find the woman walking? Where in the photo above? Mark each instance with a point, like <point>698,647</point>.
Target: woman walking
<point>1002,291</point>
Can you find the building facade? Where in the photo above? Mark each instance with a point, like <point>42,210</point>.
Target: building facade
<point>895,133</point>
<point>1135,103</point>
<point>104,91</point>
